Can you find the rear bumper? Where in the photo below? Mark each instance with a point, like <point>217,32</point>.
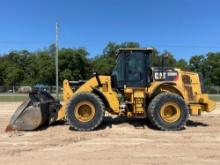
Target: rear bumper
<point>203,104</point>
<point>209,105</point>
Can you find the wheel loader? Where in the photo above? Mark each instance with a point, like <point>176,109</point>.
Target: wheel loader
<point>165,96</point>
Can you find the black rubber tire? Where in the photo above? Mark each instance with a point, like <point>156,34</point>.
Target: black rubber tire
<point>99,112</point>
<point>155,105</point>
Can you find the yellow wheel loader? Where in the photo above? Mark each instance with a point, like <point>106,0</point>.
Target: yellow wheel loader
<point>166,96</point>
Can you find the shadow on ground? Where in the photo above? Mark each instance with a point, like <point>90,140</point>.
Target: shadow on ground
<point>109,121</point>
<point>142,123</point>
<point>191,123</point>
<point>137,123</point>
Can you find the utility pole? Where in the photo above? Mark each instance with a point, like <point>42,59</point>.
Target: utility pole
<point>56,60</point>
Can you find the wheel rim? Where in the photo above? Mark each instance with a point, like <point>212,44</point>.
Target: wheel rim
<point>84,111</point>
<point>170,112</point>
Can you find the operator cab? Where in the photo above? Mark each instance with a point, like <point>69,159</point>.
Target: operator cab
<point>132,68</point>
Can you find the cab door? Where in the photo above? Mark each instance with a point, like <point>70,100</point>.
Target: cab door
<point>135,69</point>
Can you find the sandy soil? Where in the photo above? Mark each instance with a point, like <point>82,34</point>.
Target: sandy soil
<point>117,141</point>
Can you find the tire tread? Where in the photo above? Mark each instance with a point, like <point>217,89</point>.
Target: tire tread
<point>100,102</point>
<point>152,108</point>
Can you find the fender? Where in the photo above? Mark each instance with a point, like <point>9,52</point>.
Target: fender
<point>167,86</point>
<point>102,96</point>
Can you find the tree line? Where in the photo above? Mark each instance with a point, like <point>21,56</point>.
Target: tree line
<point>38,67</point>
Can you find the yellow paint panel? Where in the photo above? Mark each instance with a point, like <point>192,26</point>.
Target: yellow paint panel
<point>195,109</point>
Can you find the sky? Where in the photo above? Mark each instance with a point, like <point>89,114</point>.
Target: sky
<point>184,28</point>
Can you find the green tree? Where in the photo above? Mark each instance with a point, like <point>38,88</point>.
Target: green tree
<point>196,63</point>
<point>29,68</point>
<point>14,75</point>
<point>171,61</point>
<point>104,63</point>
<point>182,64</point>
<point>211,69</point>
<point>13,72</point>
<point>2,68</point>
<point>46,68</point>
<point>74,64</point>
<point>155,58</point>
<point>111,48</point>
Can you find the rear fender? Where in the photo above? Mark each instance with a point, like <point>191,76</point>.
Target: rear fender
<point>166,87</point>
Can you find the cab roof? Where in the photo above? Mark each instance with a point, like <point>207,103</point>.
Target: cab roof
<point>138,49</point>
<point>134,49</point>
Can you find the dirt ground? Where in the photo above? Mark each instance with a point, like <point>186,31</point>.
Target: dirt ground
<point>117,141</point>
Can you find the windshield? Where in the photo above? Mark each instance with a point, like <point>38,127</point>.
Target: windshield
<point>131,69</point>
<point>118,71</point>
<point>135,66</point>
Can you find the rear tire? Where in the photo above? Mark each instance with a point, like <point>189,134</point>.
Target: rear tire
<point>85,111</point>
<point>168,112</point>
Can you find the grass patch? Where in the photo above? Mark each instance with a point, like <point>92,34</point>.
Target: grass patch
<point>215,97</point>
<point>10,97</point>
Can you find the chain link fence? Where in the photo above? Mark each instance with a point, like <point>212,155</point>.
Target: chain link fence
<point>20,93</point>
<point>26,89</point>
<point>212,89</point>
<point>214,92</point>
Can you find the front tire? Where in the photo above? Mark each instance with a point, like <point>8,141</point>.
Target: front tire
<point>168,111</point>
<point>85,111</point>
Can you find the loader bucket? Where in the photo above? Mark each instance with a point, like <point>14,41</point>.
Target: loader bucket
<point>38,110</point>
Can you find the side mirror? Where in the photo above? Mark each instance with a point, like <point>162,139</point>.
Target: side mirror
<point>94,73</point>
